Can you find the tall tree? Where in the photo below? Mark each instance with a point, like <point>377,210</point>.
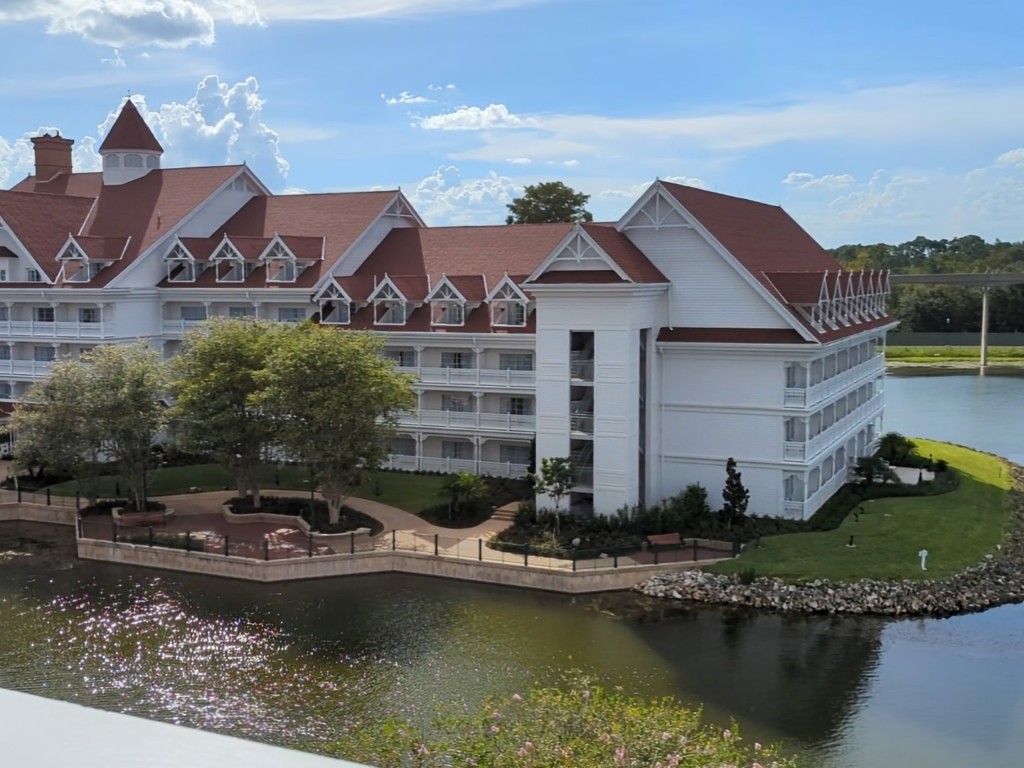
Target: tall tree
<point>546,202</point>
<point>123,388</point>
<point>54,428</point>
<point>215,383</point>
<point>334,401</point>
<point>555,479</point>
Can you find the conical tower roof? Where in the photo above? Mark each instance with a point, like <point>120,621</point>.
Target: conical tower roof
<point>130,132</point>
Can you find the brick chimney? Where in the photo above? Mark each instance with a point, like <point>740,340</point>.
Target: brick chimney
<point>53,156</point>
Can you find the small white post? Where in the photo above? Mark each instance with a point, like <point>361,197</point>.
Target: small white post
<point>923,554</point>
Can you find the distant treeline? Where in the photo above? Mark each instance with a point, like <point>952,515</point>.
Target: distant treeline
<point>943,308</point>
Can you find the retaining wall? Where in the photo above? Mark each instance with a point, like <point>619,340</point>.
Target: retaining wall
<point>37,513</point>
<point>325,566</point>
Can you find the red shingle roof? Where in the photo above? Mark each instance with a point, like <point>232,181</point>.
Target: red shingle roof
<point>74,184</point>
<point>578,276</point>
<point>129,132</point>
<point>102,248</point>
<point>797,287</point>
<point>490,252</point>
<point>624,253</point>
<point>732,335</point>
<point>43,222</point>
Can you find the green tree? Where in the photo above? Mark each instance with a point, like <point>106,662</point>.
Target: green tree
<point>334,402</point>
<point>464,491</point>
<point>54,429</point>
<point>215,383</point>
<point>546,202</point>
<point>123,387</point>
<point>555,479</point>
<point>735,495</point>
<point>892,446</point>
<point>870,468</point>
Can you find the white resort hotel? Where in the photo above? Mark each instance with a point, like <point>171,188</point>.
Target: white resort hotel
<point>650,349</point>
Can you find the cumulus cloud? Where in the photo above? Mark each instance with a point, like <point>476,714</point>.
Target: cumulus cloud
<point>448,87</point>
<point>473,119</point>
<point>810,181</point>
<point>221,123</point>
<point>445,197</point>
<point>405,97</point>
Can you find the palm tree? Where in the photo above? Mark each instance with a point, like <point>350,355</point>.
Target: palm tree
<point>894,447</point>
<point>463,491</point>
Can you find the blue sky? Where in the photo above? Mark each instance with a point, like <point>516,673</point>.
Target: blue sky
<point>868,121</point>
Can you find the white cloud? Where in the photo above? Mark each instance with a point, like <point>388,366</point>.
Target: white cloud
<point>473,119</point>
<point>404,98</point>
<point>116,61</point>
<point>633,191</point>
<point>445,197</point>
<point>449,87</point>
<point>805,180</point>
<point>518,160</point>
<point>570,163</point>
<point>357,9</point>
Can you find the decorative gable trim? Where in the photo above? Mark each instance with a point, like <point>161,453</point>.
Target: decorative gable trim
<point>181,264</point>
<point>390,306</point>
<point>656,209</point>
<point>401,208</point>
<point>447,304</point>
<point>335,304</point>
<point>509,305</point>
<point>578,252</point>
<point>280,261</point>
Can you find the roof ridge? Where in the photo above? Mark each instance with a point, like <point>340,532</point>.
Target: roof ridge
<point>702,191</point>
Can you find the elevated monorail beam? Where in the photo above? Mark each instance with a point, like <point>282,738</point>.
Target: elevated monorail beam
<point>983,280</point>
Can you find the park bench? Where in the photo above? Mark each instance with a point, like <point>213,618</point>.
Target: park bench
<point>665,540</point>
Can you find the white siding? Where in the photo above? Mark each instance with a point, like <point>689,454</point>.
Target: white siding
<point>706,291</point>
<point>707,379</point>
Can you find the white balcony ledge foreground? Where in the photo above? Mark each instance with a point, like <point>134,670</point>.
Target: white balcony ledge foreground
<point>92,738</point>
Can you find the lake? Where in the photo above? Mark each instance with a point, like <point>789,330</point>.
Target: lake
<point>293,664</point>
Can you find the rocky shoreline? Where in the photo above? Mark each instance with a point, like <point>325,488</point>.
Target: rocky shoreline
<point>997,581</point>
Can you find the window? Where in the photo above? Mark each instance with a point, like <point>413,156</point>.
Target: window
<point>403,358</point>
<point>133,161</point>
<point>33,276</point>
<point>5,352</point>
<point>42,314</point>
<point>403,446</point>
<point>44,354</point>
<point>5,390</point>
<point>517,406</point>
<point>181,271</point>
<point>508,305</point>
<point>514,454</point>
<point>456,402</point>
<point>3,275</point>
<point>335,312</point>
<point>5,313</point>
<point>112,161</point>
<point>291,314</point>
<point>152,162</point>
<point>241,311</point>
<point>456,360</point>
<point>454,449</point>
<point>281,266</point>
<point>88,314</point>
<point>388,305</point>
<point>515,361</point>
<point>193,314</point>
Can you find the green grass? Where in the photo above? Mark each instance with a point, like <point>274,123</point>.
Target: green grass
<point>895,353</point>
<point>413,493</point>
<point>958,529</point>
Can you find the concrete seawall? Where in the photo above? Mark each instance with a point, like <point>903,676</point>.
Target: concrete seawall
<point>328,566</point>
<point>37,513</point>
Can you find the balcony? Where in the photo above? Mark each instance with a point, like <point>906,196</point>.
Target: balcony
<point>805,451</point>
<point>581,423</point>
<point>581,370</point>
<point>804,509</point>
<point>493,422</point>
<point>32,368</point>
<point>31,329</point>
<point>437,464</point>
<point>797,397</point>
<point>180,327</point>
<point>585,476</point>
<point>479,377</point>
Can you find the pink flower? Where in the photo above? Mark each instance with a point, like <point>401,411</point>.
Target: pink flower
<point>470,761</point>
<point>516,697</point>
<point>757,746</point>
<point>604,737</point>
<point>757,765</point>
<point>620,754</point>
<point>495,729</point>
<point>521,752</point>
<point>665,735</point>
<point>422,750</point>
<point>496,714</point>
<point>726,734</point>
<point>528,745</point>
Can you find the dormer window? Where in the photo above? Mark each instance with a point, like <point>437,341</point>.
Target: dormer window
<point>32,275</point>
<point>281,266</point>
<point>389,305</point>
<point>75,264</point>
<point>181,267</point>
<point>447,306</point>
<point>229,264</point>
<point>335,306</point>
<point>508,305</point>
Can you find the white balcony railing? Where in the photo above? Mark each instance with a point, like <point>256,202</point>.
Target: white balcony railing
<point>797,397</point>
<point>438,464</point>
<point>56,330</point>
<point>581,423</point>
<point>25,367</point>
<point>805,451</point>
<point>498,422</point>
<point>180,327</point>
<point>481,377</point>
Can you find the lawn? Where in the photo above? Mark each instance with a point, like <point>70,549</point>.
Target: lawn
<point>958,529</point>
<point>901,354</point>
<point>413,493</point>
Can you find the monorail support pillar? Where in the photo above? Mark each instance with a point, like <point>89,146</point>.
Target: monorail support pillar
<point>984,326</point>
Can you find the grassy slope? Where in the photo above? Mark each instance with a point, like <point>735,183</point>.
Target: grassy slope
<point>958,529</point>
<point>951,354</point>
<point>413,493</point>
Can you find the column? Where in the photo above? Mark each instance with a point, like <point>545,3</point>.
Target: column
<point>984,326</point>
